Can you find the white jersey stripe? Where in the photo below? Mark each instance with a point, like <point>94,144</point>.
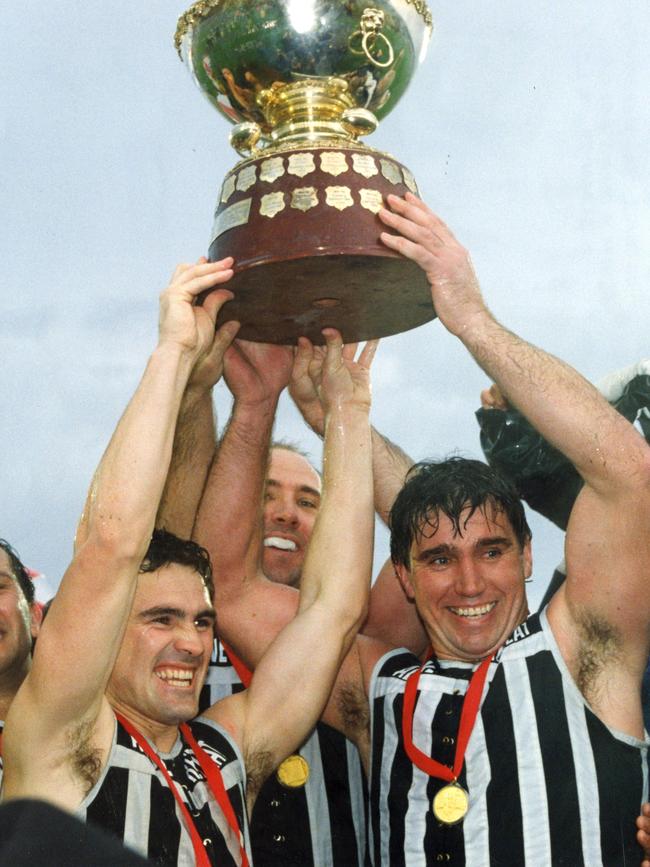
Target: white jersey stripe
<point>534,806</point>
<point>358,811</point>
<point>317,805</point>
<point>477,845</point>
<point>136,823</point>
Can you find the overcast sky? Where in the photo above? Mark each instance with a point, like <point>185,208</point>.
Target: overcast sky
<point>526,127</point>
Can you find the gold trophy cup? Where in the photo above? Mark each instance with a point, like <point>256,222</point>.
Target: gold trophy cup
<point>304,80</point>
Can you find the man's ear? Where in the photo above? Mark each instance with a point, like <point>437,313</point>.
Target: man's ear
<point>528,559</point>
<point>35,618</point>
<point>404,577</point>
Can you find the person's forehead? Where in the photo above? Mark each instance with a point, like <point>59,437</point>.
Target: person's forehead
<point>485,520</point>
<point>171,585</point>
<point>5,564</point>
<point>290,469</point>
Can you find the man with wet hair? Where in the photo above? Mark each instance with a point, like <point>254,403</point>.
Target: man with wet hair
<point>101,726</point>
<point>506,742</point>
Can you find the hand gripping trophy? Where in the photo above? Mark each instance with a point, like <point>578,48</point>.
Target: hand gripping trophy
<point>304,80</point>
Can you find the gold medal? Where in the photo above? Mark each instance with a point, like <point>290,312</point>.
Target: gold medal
<point>451,804</point>
<point>293,773</point>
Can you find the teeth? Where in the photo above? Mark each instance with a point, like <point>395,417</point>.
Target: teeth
<point>474,612</point>
<point>176,676</point>
<point>278,542</point>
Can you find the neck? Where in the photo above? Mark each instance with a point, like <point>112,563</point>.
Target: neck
<point>10,682</point>
<point>162,736</point>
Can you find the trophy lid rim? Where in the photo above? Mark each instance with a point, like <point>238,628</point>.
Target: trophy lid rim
<point>202,8</point>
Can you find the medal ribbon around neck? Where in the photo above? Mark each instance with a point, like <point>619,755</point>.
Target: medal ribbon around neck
<point>471,704</point>
<point>215,784</point>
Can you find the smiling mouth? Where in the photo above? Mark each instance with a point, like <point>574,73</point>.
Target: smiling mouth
<point>176,677</point>
<point>474,611</point>
<point>279,542</point>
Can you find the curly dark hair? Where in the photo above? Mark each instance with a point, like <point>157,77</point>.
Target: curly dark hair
<point>19,571</point>
<point>166,548</point>
<point>451,486</point>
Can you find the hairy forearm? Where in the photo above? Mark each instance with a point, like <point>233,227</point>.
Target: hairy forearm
<point>339,559</point>
<point>194,445</point>
<point>565,408</point>
<point>390,466</point>
<point>229,517</point>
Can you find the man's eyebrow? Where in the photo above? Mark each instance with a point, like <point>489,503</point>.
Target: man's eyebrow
<point>504,541</point>
<point>178,613</point>
<point>162,611</point>
<point>435,551</point>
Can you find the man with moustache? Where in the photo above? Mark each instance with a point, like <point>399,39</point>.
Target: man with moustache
<point>101,717</point>
<point>514,739</point>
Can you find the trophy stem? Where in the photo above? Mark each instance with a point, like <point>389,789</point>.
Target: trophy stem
<point>308,109</point>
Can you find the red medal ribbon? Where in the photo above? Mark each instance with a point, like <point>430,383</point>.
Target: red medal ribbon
<point>215,784</point>
<point>471,704</point>
<point>243,673</point>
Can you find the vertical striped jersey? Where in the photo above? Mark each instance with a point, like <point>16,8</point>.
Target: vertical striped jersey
<point>321,824</point>
<point>132,800</point>
<point>548,782</point>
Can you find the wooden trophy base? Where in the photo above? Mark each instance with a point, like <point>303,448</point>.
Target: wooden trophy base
<point>303,229</point>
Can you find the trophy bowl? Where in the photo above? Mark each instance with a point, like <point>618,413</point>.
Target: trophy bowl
<point>303,81</point>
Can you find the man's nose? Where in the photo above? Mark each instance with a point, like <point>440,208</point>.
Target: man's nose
<point>284,511</point>
<point>187,640</point>
<point>469,581</point>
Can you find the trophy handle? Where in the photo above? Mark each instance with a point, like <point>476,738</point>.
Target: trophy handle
<point>244,138</point>
<point>371,38</point>
<point>359,122</point>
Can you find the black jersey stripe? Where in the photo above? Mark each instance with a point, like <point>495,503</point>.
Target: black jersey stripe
<point>343,831</point>
<point>619,773</point>
<point>557,757</point>
<point>503,795</point>
<point>108,809</point>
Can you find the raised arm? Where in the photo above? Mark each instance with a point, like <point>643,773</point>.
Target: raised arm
<point>60,701</point>
<point>391,616</point>
<point>605,604</point>
<point>194,441</point>
<point>293,679</point>
<point>228,522</point>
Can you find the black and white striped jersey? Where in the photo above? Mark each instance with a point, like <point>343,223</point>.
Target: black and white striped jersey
<point>133,801</point>
<point>322,824</point>
<point>549,783</point>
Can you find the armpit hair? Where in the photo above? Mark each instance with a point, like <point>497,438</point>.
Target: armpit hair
<point>600,646</point>
<point>86,759</point>
<point>259,766</point>
<point>353,707</point>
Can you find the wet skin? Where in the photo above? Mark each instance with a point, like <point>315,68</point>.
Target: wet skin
<point>166,649</point>
<point>291,501</point>
<point>469,588</point>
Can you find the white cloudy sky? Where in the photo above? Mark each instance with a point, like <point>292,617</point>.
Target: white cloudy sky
<point>527,129</point>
